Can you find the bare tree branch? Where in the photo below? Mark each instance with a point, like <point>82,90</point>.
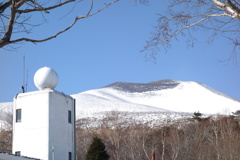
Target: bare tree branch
<point>4,6</point>
<point>44,9</point>
<point>10,24</point>
<point>185,17</point>
<point>64,30</point>
<point>17,20</point>
<point>230,8</point>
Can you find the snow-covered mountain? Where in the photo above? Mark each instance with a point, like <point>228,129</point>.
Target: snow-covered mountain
<point>157,96</point>
<point>162,97</point>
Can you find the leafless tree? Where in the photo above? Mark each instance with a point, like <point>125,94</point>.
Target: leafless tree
<point>19,17</point>
<point>210,138</point>
<point>185,17</point>
<point>5,131</point>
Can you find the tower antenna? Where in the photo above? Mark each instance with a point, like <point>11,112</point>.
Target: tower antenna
<point>26,85</point>
<point>23,83</point>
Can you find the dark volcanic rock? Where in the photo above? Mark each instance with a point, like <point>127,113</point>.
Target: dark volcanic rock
<point>144,87</point>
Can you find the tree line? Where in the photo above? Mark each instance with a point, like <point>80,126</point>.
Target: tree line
<point>210,138</point>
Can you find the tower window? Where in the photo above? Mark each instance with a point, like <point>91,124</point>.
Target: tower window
<point>17,153</point>
<point>69,117</point>
<point>18,115</point>
<point>69,155</point>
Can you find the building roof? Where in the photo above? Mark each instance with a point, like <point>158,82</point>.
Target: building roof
<point>7,156</point>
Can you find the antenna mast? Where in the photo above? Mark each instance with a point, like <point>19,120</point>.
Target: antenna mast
<point>26,81</point>
<point>23,84</point>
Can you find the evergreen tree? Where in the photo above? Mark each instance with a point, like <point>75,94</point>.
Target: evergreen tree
<point>197,116</point>
<point>96,150</point>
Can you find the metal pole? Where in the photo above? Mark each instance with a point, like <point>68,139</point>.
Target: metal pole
<point>153,155</point>
<point>52,152</point>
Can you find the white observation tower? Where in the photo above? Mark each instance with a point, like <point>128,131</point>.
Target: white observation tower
<point>44,121</point>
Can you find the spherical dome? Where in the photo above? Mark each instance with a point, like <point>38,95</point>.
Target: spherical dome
<point>45,78</point>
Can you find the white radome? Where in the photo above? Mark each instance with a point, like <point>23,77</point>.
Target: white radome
<point>45,78</point>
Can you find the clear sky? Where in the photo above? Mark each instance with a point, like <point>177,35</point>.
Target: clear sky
<point>106,48</point>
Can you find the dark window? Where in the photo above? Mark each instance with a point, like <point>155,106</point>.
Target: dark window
<point>69,117</point>
<point>69,155</point>
<point>18,115</point>
<point>18,153</point>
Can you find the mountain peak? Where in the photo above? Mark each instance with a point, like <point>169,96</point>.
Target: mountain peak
<point>144,87</point>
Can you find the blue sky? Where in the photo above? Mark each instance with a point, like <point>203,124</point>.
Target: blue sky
<point>106,48</point>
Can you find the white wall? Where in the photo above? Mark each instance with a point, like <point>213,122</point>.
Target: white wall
<point>44,131</point>
<point>61,133</point>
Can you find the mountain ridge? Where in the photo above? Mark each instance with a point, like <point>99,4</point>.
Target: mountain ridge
<point>218,92</point>
<point>143,87</point>
<point>158,85</point>
<point>169,95</point>
<point>162,96</point>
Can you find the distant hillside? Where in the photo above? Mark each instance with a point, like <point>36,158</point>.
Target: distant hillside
<point>157,96</point>
<point>158,99</point>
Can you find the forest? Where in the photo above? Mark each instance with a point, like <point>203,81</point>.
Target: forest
<point>196,138</point>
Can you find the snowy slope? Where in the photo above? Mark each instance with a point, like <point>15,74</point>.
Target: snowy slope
<point>164,95</point>
<point>94,101</point>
